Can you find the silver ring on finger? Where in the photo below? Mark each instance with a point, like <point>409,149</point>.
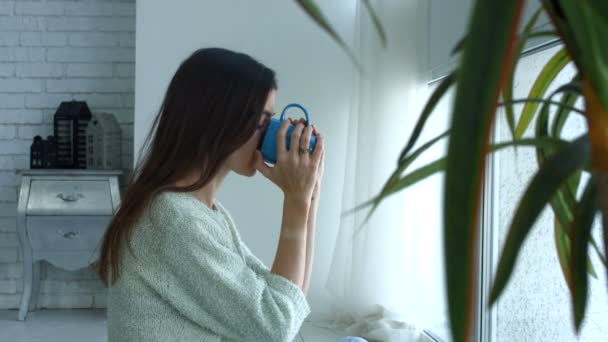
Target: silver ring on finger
<point>301,151</point>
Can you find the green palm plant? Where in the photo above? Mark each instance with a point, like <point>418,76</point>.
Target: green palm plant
<point>488,56</point>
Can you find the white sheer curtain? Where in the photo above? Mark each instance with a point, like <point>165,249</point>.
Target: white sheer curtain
<point>377,280</point>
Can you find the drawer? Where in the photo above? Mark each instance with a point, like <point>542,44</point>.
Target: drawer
<point>70,197</point>
<point>66,233</point>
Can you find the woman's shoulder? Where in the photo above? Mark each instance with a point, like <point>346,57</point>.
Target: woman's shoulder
<point>172,200</point>
<point>183,209</point>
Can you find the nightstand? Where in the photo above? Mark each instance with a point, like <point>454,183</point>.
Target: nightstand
<point>62,216</point>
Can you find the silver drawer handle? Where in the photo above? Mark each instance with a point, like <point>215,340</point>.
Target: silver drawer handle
<point>70,197</point>
<point>70,235</point>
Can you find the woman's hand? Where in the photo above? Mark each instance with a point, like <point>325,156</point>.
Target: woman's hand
<point>320,170</point>
<point>296,171</point>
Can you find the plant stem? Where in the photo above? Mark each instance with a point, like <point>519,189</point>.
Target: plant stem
<point>597,122</point>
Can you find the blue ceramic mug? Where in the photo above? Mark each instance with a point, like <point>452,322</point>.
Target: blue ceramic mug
<point>269,142</point>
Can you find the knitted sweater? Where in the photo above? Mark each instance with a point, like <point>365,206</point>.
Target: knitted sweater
<point>193,279</point>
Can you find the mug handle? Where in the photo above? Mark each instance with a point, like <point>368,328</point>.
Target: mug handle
<point>296,105</point>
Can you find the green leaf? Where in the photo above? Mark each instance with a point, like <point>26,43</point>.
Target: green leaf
<point>376,21</point>
<point>583,221</point>
<point>459,46</point>
<point>573,87</point>
<point>562,246</point>
<point>402,183</point>
<point>407,161</point>
<point>566,104</point>
<point>562,203</point>
<point>315,13</point>
<point>410,179</point>
<point>508,89</point>
<point>542,83</point>
<point>417,175</point>
<point>389,190</point>
<point>563,200</point>
<point>546,142</point>
<point>555,12</point>
<point>563,212</point>
<point>541,101</point>
<point>549,178</point>
<point>600,7</point>
<point>599,252</point>
<point>395,179</point>
<point>437,95</point>
<point>568,101</point>
<point>485,59</point>
<point>542,34</point>
<point>586,43</point>
<point>590,268</point>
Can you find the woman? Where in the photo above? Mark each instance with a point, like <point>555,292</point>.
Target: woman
<point>175,265</point>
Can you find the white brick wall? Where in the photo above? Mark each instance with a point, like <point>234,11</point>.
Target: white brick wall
<point>53,51</point>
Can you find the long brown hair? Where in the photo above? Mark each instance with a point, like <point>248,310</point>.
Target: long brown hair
<point>211,108</point>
